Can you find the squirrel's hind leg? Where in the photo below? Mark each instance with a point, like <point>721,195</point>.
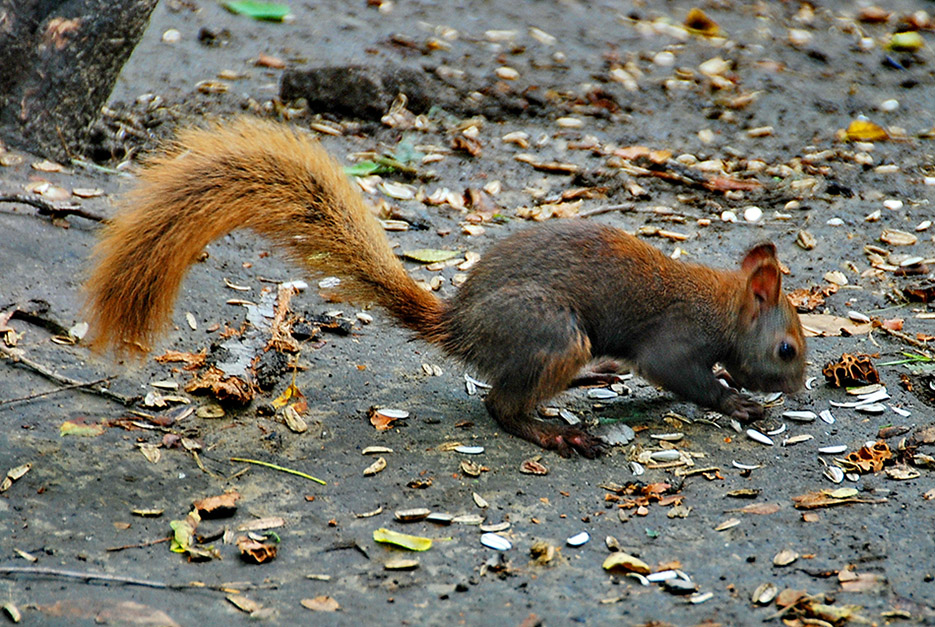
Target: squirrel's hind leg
<point>519,388</point>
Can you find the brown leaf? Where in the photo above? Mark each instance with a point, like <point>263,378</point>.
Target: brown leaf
<point>824,325</point>
<point>255,552</point>
<point>759,508</point>
<point>220,506</point>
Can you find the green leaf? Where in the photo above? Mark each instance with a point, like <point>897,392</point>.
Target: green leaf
<point>430,255</point>
<point>413,543</point>
<point>366,168</point>
<point>269,11</point>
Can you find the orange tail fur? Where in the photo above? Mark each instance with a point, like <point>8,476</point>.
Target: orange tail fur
<point>245,174</point>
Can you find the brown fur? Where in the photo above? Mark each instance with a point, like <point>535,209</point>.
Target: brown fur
<point>539,305</point>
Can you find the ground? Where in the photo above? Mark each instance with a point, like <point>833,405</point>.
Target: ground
<point>590,85</point>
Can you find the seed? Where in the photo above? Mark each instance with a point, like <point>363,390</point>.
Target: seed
<point>496,542</point>
<point>578,539</point>
<point>756,436</point>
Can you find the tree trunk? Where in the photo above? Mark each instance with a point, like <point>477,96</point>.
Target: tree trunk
<point>59,60</point>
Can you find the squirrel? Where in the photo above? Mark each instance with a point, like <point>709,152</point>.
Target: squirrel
<point>536,309</point>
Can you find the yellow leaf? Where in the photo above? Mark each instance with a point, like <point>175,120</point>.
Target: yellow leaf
<point>865,131</point>
<point>413,543</point>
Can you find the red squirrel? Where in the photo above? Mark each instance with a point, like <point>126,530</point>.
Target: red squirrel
<point>538,307</point>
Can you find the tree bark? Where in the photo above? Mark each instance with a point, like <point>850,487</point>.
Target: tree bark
<point>59,60</point>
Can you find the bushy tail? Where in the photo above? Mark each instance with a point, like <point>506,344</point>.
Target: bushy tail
<point>244,174</point>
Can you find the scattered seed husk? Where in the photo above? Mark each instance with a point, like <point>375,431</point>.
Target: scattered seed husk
<point>668,455</point>
<point>626,563</point>
<point>468,519</point>
<point>745,493</point>
<point>837,277</point>
<point>667,437</point>
<point>902,473</point>
<point>210,411</point>
<point>602,393</point>
<point>833,449</point>
<point>495,527</point>
<point>480,501</point>
<point>376,450</point>
<point>756,436</point>
<point>778,430</point>
<point>401,563</point>
<point>895,237</point>
<point>533,466</point>
<point>700,597</point>
<point>834,474</point>
<point>470,468</point>
<point>294,422</point>
<point>469,450</point>
<point>797,439</point>
<point>785,557</point>
<point>800,416</point>
<point>371,513</point>
<point>377,466</point>
<point>617,434</point>
<point>578,539</point>
<point>496,542</point>
<point>871,408</point>
<point>612,543</point>
<point>730,523</point>
<point>662,575</point>
<point>742,466</point>
<point>439,518</point>
<point>764,594</point>
<point>862,390</point>
<point>411,515</point>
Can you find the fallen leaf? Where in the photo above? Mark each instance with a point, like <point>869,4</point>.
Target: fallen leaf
<point>406,541</point>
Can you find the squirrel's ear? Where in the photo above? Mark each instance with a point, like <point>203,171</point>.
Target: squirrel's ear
<point>765,251</point>
<point>765,283</point>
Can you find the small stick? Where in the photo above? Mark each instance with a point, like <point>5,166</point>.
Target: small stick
<point>908,339</point>
<point>627,206</point>
<point>63,380</point>
<point>141,545</point>
<point>279,468</point>
<point>88,577</point>
<point>56,391</point>
<point>130,581</point>
<point>47,208</point>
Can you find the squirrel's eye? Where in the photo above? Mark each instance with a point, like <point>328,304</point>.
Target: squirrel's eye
<point>786,351</point>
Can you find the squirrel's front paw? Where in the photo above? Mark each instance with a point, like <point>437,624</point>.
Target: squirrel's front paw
<point>742,408</point>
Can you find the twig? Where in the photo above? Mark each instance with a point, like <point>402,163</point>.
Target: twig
<point>100,168</point>
<point>130,581</point>
<point>627,206</point>
<point>279,468</point>
<point>48,209</point>
<point>141,545</point>
<point>56,391</point>
<point>908,339</point>
<point>88,577</point>
<point>63,380</point>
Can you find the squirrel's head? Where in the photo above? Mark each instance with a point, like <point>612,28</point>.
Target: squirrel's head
<point>769,354</point>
